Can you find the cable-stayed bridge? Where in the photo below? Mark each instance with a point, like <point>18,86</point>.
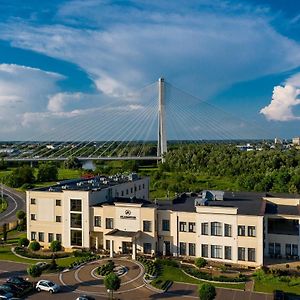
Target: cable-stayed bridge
<point>136,126</point>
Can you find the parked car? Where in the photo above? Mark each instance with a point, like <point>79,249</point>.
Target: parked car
<point>48,286</point>
<point>42,265</point>
<point>11,288</point>
<point>19,282</point>
<point>278,295</point>
<point>5,295</point>
<point>85,297</point>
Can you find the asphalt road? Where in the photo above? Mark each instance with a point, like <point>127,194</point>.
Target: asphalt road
<point>83,281</point>
<point>16,201</point>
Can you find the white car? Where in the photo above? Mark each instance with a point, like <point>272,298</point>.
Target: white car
<point>48,286</point>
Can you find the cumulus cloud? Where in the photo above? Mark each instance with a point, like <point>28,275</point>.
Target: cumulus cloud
<point>284,98</point>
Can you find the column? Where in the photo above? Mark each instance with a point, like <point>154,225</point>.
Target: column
<point>111,248</point>
<point>96,246</point>
<point>134,249</point>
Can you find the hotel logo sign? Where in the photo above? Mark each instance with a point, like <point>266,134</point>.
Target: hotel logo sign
<point>127,215</point>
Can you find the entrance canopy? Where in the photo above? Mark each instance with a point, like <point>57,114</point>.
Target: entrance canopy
<point>123,233</point>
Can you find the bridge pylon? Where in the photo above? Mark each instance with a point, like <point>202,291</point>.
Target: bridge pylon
<point>162,137</point>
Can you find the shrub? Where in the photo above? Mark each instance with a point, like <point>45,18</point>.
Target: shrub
<point>200,262</point>
<point>34,271</point>
<point>106,269</point>
<point>287,266</point>
<point>207,292</point>
<point>23,242</point>
<point>34,246</point>
<point>167,262</point>
<point>55,246</point>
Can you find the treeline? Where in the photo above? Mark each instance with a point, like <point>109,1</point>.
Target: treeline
<point>266,170</point>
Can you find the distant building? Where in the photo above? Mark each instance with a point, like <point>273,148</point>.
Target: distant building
<point>296,141</point>
<point>277,141</point>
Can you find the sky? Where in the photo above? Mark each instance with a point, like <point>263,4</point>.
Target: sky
<point>61,59</point>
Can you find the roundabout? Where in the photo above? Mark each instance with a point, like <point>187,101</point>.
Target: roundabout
<point>85,280</point>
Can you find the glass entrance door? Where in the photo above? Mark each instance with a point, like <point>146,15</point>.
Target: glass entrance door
<point>127,247</point>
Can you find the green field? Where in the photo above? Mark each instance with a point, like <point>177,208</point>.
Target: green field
<point>177,275</point>
<point>3,204</point>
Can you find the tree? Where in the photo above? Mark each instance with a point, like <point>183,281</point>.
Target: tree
<point>21,215</point>
<point>34,246</point>
<point>207,292</point>
<point>34,271</point>
<point>112,282</point>
<point>55,246</point>
<point>23,242</point>
<point>200,262</point>
<point>72,163</point>
<point>47,172</point>
<point>20,176</point>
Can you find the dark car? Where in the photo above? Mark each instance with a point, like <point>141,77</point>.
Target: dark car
<point>278,295</point>
<point>85,297</point>
<point>19,282</point>
<point>11,288</point>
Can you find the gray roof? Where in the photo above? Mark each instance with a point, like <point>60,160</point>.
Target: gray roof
<point>122,233</point>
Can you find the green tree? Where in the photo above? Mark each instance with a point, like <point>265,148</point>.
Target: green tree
<point>47,172</point>
<point>20,176</point>
<point>4,231</point>
<point>72,163</point>
<point>200,262</point>
<point>112,282</point>
<point>23,242</point>
<point>207,292</point>
<point>34,246</point>
<point>34,271</point>
<point>21,215</point>
<point>55,246</point>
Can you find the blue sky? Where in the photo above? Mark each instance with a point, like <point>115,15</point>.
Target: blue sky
<point>61,59</point>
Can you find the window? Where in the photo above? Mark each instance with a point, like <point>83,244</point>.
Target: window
<point>50,237</point>
<point>75,205</point>
<point>58,202</point>
<point>216,228</point>
<point>241,253</point>
<point>192,249</point>
<point>33,217</point>
<point>216,251</point>
<point>204,228</point>
<point>58,237</point>
<point>107,244</point>
<point>143,185</point>
<point>182,226</point>
<point>135,188</point>
<point>58,219</point>
<point>288,249</point>
<point>97,221</point>
<point>41,237</point>
<point>204,250</point>
<point>271,249</point>
<point>109,223</point>
<point>147,248</point>
<point>182,248</point>
<point>32,201</point>
<point>227,230</point>
<point>192,227</point>
<point>122,193</point>
<point>126,191</point>
<point>277,249</point>
<point>76,221</point>
<point>251,254</point>
<point>131,190</point>
<point>147,226</point>
<point>251,231</point>
<point>33,235</point>
<point>295,249</point>
<point>166,225</point>
<point>139,187</point>
<point>241,230</point>
<point>227,252</point>
<point>76,238</point>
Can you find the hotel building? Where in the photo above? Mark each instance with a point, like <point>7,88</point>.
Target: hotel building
<point>115,214</point>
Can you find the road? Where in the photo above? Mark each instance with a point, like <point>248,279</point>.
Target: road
<point>16,201</point>
<point>84,281</point>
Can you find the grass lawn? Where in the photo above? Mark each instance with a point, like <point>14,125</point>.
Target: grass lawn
<point>270,283</point>
<point>176,274</point>
<point>3,204</point>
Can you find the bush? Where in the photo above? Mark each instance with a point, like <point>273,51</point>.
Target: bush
<point>23,242</point>
<point>106,269</point>
<point>200,262</point>
<point>167,262</point>
<point>34,246</point>
<point>82,253</point>
<point>207,292</point>
<point>34,271</point>
<point>55,246</point>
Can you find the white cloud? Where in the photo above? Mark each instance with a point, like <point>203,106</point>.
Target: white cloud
<point>283,100</point>
<point>60,101</point>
